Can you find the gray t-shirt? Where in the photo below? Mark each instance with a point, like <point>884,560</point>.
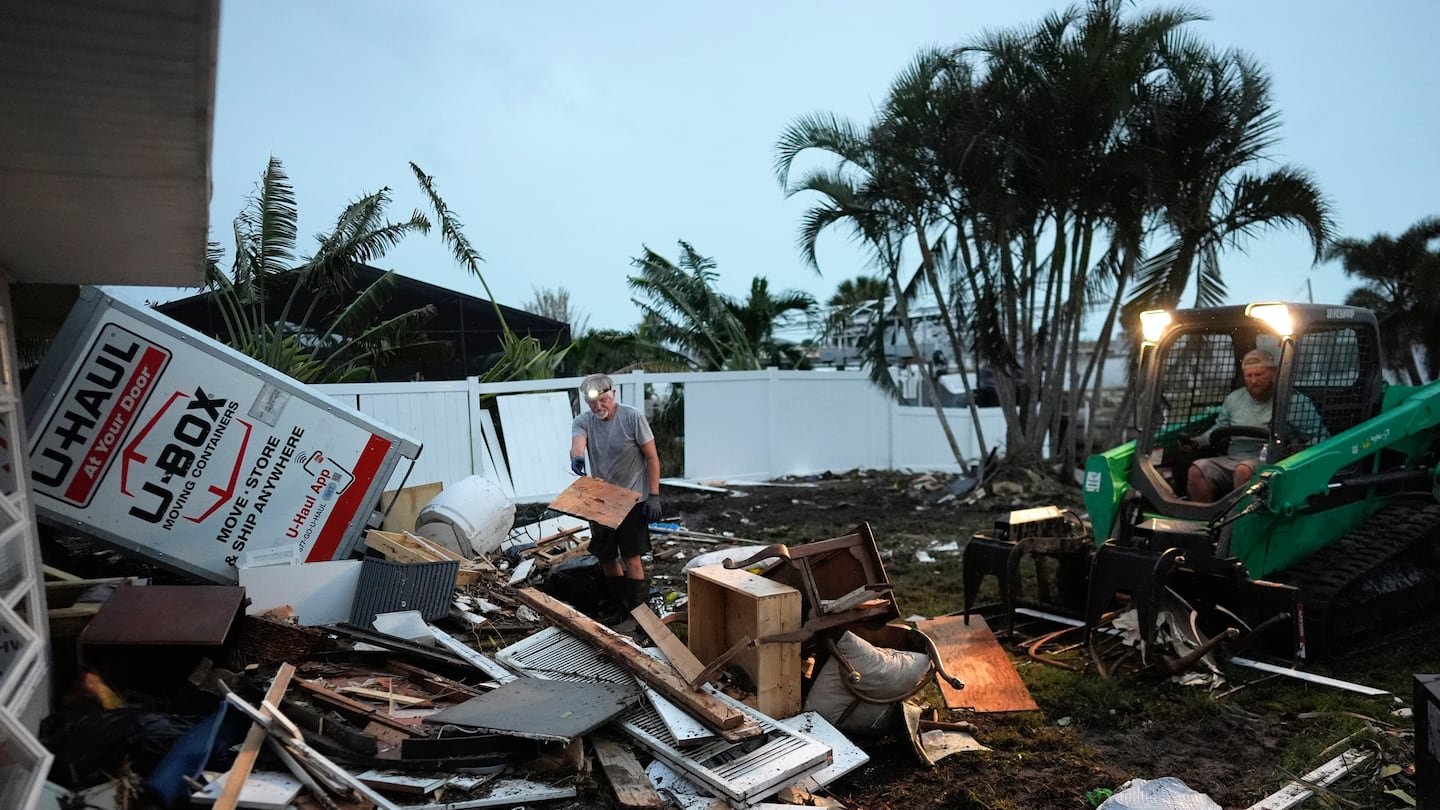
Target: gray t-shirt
<point>614,446</point>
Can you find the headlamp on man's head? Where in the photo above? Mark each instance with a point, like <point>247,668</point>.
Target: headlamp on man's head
<point>596,386</point>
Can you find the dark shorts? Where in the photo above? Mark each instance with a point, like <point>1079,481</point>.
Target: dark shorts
<point>1220,470</point>
<point>631,539</point>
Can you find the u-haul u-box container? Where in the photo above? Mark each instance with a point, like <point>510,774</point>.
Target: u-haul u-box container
<point>162,441</point>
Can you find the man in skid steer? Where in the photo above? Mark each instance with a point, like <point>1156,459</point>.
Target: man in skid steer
<point>622,451</point>
<point>1251,405</point>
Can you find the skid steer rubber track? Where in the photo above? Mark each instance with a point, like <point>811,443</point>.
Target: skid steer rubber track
<point>1378,577</point>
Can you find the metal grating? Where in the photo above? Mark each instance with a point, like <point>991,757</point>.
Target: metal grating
<point>742,772</point>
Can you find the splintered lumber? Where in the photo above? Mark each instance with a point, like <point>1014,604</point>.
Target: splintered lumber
<point>632,787</point>
<point>399,547</point>
<point>282,731</point>
<point>389,697</point>
<point>674,649</point>
<point>595,500</point>
<point>440,552</point>
<point>343,703</point>
<point>721,660</point>
<point>410,548</point>
<point>560,546</point>
<point>622,651</point>
<point>250,749</point>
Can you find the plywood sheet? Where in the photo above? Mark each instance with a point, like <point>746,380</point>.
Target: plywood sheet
<point>595,500</point>
<point>972,654</point>
<point>537,442</point>
<point>165,615</point>
<point>407,505</point>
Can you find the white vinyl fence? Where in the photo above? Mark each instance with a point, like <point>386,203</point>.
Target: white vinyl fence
<point>739,425</point>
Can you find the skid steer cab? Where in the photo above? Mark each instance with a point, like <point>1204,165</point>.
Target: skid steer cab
<point>1288,521</point>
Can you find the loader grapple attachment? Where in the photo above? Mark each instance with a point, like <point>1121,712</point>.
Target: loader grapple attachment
<point>1043,532</point>
<point>1180,555</point>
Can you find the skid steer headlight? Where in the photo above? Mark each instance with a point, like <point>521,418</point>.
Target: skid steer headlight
<point>1153,323</point>
<point>1277,316</point>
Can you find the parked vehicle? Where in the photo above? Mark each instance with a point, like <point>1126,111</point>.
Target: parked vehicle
<point>1331,541</point>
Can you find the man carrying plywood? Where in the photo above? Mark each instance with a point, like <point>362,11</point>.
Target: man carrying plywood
<point>621,448</point>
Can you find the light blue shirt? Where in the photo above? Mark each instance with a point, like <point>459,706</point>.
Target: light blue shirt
<point>1241,409</point>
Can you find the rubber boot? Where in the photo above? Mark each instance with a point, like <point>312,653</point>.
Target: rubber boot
<point>637,593</point>
<point>614,607</point>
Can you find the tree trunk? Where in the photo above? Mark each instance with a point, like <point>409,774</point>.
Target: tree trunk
<point>902,309</point>
<point>927,264</point>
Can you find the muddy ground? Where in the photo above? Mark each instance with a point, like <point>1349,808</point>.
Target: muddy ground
<point>1236,744</point>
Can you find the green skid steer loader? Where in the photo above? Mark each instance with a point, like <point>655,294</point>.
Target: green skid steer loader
<point>1334,540</point>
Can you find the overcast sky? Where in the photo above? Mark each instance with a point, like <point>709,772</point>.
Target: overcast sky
<point>567,135</point>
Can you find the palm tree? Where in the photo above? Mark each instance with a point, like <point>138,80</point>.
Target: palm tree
<point>714,331</point>
<point>555,305</point>
<point>1050,181</point>
<point>875,202</point>
<point>522,357</point>
<point>855,312</point>
<point>1202,128</point>
<point>617,351</point>
<point>1401,282</point>
<point>271,309</point>
<point>291,334</point>
<point>759,315</point>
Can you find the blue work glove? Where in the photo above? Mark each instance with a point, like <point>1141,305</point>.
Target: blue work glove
<point>577,465</point>
<point>652,508</point>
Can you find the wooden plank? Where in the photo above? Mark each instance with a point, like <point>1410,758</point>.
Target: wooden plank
<point>346,704</point>
<point>623,651</point>
<point>398,547</point>
<point>411,548</point>
<point>407,505</point>
<point>52,572</point>
<point>972,654</point>
<point>724,658</point>
<point>558,536</point>
<point>599,501</point>
<point>674,649</point>
<point>250,749</point>
<point>632,787</point>
<point>68,622</point>
<point>388,697</point>
<point>440,552</point>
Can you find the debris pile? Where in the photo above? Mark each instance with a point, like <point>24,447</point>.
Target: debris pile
<point>422,677</point>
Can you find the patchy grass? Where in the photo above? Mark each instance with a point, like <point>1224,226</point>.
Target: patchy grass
<point>1236,745</point>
